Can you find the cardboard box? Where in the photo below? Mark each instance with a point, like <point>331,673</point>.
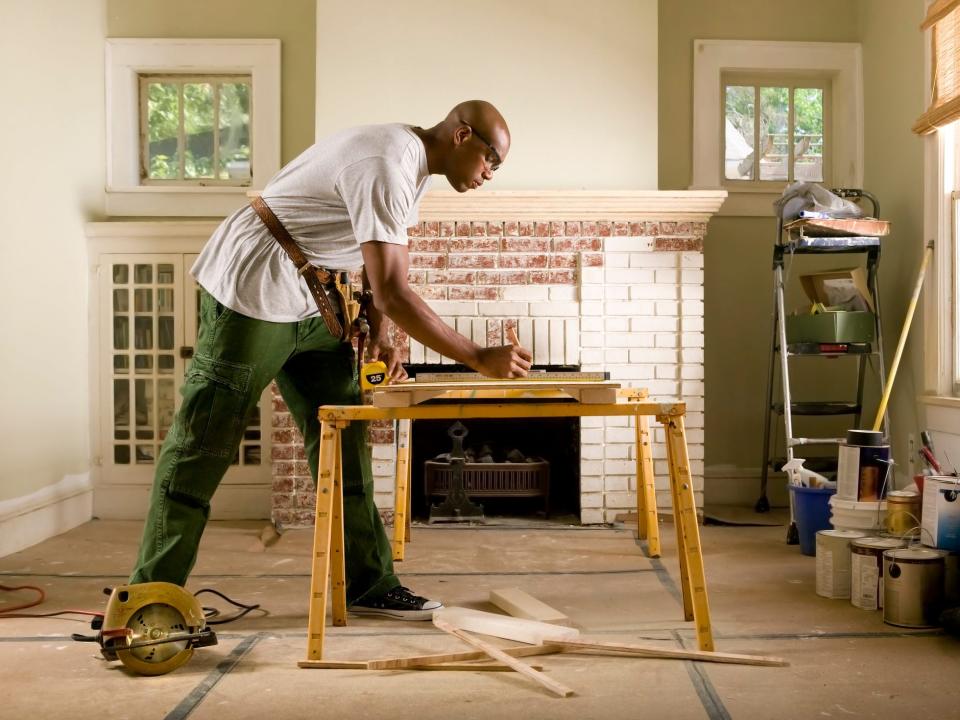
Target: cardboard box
<point>846,288</point>
<point>831,327</point>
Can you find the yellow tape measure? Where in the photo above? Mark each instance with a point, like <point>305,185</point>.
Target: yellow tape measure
<point>373,374</point>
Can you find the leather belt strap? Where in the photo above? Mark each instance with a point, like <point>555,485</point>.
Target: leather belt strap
<point>317,278</point>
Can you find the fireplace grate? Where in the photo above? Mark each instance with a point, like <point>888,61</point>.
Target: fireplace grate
<point>531,479</point>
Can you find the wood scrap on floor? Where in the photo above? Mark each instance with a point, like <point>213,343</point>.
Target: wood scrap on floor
<point>523,605</point>
<point>504,626</point>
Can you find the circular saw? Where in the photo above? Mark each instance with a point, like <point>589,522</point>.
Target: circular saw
<point>153,628</point>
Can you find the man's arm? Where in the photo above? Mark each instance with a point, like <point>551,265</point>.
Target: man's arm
<point>386,266</point>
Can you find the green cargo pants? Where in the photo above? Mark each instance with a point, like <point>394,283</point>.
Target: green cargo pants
<point>236,357</point>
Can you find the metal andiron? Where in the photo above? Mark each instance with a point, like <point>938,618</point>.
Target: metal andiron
<point>456,507</point>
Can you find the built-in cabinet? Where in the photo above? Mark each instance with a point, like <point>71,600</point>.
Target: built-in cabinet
<point>144,327</point>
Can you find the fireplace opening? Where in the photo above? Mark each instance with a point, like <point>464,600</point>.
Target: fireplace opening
<point>514,467</point>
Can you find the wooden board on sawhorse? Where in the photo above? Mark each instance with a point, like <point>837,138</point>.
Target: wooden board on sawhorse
<point>413,393</point>
<point>328,558</point>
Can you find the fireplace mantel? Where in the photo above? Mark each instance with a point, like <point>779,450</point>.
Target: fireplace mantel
<point>496,205</point>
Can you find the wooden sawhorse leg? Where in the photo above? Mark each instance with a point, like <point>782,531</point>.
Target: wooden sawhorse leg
<point>692,579</point>
<point>401,490</point>
<point>647,527</point>
<point>327,542</point>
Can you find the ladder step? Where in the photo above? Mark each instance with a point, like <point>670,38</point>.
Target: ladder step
<point>828,349</point>
<point>820,408</point>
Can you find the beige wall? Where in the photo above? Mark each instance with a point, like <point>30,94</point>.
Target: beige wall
<point>290,21</point>
<point>576,81</point>
<point>52,181</point>
<point>738,277</point>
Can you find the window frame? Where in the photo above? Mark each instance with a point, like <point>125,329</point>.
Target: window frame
<point>129,58</point>
<point>792,81</point>
<point>841,62</point>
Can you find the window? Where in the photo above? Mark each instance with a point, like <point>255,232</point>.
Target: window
<point>799,104</point>
<point>191,124</point>
<point>195,130</point>
<point>788,129</point>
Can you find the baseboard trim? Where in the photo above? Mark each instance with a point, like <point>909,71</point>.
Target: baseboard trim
<point>31,519</point>
<point>231,502</point>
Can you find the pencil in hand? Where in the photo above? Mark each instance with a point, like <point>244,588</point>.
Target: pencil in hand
<point>512,336</point>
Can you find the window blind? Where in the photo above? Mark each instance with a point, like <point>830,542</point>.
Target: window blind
<point>943,17</point>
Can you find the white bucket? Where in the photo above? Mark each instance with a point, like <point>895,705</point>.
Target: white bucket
<point>866,570</point>
<point>833,562</point>
<point>854,515</point>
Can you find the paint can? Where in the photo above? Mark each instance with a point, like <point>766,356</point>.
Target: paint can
<point>913,586</point>
<point>903,513</point>
<point>863,462</point>
<point>941,512</point>
<point>833,562</point>
<point>866,570</point>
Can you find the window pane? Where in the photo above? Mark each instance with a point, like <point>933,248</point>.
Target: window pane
<point>198,129</point>
<point>738,135</point>
<point>234,131</point>
<point>774,133</point>
<point>808,134</point>
<point>163,125</point>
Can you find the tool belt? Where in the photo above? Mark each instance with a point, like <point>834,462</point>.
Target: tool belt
<point>319,280</point>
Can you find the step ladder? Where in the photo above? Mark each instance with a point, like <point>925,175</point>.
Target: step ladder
<point>796,241</point>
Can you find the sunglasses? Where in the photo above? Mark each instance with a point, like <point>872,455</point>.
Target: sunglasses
<point>496,161</point>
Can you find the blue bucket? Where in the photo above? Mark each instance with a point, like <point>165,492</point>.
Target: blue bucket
<point>811,511</point>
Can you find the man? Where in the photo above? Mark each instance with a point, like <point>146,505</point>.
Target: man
<point>345,201</point>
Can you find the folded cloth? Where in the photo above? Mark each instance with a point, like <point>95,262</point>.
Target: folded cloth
<point>808,196</point>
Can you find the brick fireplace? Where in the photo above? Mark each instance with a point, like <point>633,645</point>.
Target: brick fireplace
<point>604,281</point>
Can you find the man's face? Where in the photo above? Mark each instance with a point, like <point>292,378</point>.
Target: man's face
<point>476,157</point>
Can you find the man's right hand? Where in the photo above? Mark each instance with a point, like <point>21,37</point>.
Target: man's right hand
<point>504,361</point>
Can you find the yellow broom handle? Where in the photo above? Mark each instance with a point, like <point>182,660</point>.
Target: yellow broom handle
<point>927,253</point>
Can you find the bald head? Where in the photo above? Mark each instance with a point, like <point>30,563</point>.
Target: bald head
<point>485,119</point>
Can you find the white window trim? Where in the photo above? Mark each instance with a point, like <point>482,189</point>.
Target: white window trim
<point>126,58</point>
<point>842,61</point>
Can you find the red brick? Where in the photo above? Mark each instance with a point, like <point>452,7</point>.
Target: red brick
<point>447,229</point>
<point>591,260</point>
<point>604,229</point>
<point>281,501</point>
<point>517,277</point>
<point>431,229</point>
<point>636,229</point>
<point>563,277</point>
<point>542,229</point>
<point>304,485</point>
<point>478,229</point>
<point>306,501</point>
<point>684,228</point>
<point>475,245</point>
<point>414,231</point>
<point>525,245</point>
<point>525,228</point>
<point>621,229</point>
<point>282,516</point>
<point>510,324</point>
<point>282,468</point>
<point>428,245</point>
<point>417,277</point>
<point>678,245</point>
<point>589,228</point>
<point>302,468</point>
<point>472,261</point>
<point>494,332</point>
<point>278,404</point>
<point>511,228</point>
<point>382,437</point>
<point>428,261</point>
<point>572,229</point>
<point>473,292</point>
<point>556,228</point>
<point>282,420</point>
<point>668,228</point>
<point>285,436</point>
<point>437,277</point>
<point>283,452</point>
<point>516,260</point>
<point>652,229</point>
<point>461,277</point>
<point>494,229</point>
<point>563,260</point>
<point>575,244</point>
<point>282,485</point>
<point>462,229</point>
<point>431,292</point>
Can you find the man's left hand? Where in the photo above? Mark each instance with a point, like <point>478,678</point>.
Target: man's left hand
<point>391,357</point>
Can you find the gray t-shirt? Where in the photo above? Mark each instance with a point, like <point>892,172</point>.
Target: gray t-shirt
<point>359,185</point>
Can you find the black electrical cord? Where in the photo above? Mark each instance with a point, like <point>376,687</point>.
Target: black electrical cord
<point>210,613</point>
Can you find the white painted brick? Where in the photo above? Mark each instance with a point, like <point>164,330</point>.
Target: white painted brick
<point>661,355</point>
<point>383,485</point>
<point>592,356</point>
<point>661,468</point>
<point>626,339</point>
<point>620,243</point>
<point>478,331</point>
<point>592,452</point>
<point>656,291</point>
<point>692,308</point>
<point>616,355</point>
<point>696,467</point>
<point>666,372</point>
<point>616,292</point>
<point>384,467</point>
<point>616,260</point>
<point>591,485</point>
<point>591,435</point>
<point>591,467</point>
<point>557,337</point>
<point>663,388</point>
<point>691,259</point>
<point>526,292</point>
<point>591,275</point>
<point>505,309</point>
<point>691,372</point>
<point>591,309</point>
<point>591,516</point>
<point>417,352</point>
<point>694,419</point>
<point>667,276</point>
<point>571,341</point>
<point>691,277</point>
<point>691,355</point>
<point>618,435</point>
<point>591,340</point>
<point>694,436</point>
<point>694,404</point>
<point>642,370</point>
<point>629,276</point>
<point>555,309</point>
<point>564,293</point>
<point>453,308</point>
<point>618,451</point>
<point>654,260</point>
<point>692,388</point>
<point>666,340</point>
<point>591,421</point>
<point>691,340</point>
<point>617,421</point>
<point>692,324</point>
<point>642,276</point>
<point>541,341</point>
<point>695,452</point>
<point>668,308</point>
<point>591,500</point>
<point>654,324</point>
<point>383,452</point>
<point>691,292</point>
<point>616,483</point>
<point>632,308</point>
<point>432,357</point>
<point>617,324</point>
<point>591,292</point>
<point>525,332</point>
<point>619,500</point>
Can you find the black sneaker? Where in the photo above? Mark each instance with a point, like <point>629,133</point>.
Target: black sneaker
<point>398,603</point>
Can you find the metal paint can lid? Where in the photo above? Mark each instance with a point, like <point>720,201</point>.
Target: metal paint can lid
<point>865,438</point>
<point>878,543</point>
<point>915,555</point>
